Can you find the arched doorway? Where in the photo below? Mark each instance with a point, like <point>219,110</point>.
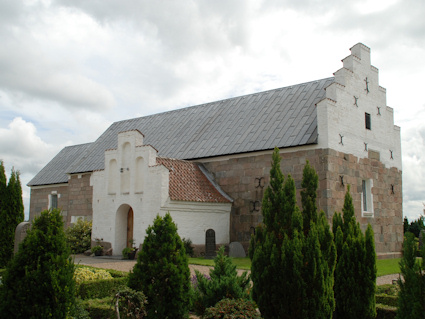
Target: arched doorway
<point>124,221</point>
<point>130,227</point>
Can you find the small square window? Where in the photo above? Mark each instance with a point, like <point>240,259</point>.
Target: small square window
<point>367,121</point>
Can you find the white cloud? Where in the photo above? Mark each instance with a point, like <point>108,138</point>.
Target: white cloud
<point>70,68</point>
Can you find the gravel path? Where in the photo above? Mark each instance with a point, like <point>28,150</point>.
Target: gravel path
<point>127,265</point>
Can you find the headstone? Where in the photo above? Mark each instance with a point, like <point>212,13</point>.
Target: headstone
<point>210,248</point>
<point>236,250</point>
<point>20,234</point>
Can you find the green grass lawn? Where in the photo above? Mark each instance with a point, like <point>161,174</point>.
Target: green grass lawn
<point>384,266</point>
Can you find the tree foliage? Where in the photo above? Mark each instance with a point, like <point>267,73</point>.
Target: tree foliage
<point>39,280</point>
<point>411,298</point>
<point>78,236</point>
<point>293,254</point>
<point>223,283</point>
<point>11,212</point>
<point>355,273</point>
<point>162,271</point>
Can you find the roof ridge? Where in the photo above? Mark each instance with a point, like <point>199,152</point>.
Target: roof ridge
<point>221,100</point>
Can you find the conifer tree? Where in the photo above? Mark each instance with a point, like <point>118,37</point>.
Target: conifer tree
<point>162,271</point>
<point>355,273</point>
<point>11,212</point>
<point>39,280</point>
<point>411,298</point>
<point>292,264</point>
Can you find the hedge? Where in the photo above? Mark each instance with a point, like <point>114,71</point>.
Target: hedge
<point>100,288</point>
<point>100,308</point>
<point>387,300</point>
<point>385,312</point>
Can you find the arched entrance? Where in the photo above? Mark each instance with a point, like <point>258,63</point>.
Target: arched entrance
<point>130,227</point>
<point>123,228</point>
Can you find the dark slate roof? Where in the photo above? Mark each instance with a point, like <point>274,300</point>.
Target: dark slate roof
<point>55,171</point>
<point>283,117</point>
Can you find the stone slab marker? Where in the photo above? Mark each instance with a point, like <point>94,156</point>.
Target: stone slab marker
<point>236,250</point>
<point>210,248</point>
<point>20,234</point>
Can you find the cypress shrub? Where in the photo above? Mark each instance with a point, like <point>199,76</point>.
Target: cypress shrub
<point>355,273</point>
<point>162,271</point>
<point>11,213</point>
<point>232,309</point>
<point>39,280</point>
<point>411,298</point>
<point>223,283</point>
<point>293,254</point>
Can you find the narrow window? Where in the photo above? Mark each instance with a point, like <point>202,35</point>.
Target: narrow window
<point>53,201</point>
<point>367,198</point>
<point>367,121</point>
<point>364,195</point>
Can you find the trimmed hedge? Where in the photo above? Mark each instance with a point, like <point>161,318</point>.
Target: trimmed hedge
<point>387,300</point>
<point>100,288</point>
<point>385,312</point>
<point>100,308</point>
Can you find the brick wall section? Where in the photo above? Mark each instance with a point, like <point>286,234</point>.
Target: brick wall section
<point>80,196</point>
<point>40,199</point>
<point>239,178</point>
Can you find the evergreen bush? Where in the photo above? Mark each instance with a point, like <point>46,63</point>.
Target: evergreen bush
<point>78,236</point>
<point>188,246</point>
<point>232,309</point>
<point>293,254</point>
<point>130,303</point>
<point>411,299</point>
<point>223,282</point>
<point>355,273</point>
<point>162,271</point>
<point>39,280</point>
<point>11,212</point>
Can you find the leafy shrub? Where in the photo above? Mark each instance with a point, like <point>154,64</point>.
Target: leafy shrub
<point>162,271</point>
<point>232,309</point>
<point>387,300</point>
<point>130,303</point>
<point>188,246</point>
<point>125,252</point>
<point>77,310</point>
<point>388,289</point>
<point>82,274</point>
<point>78,236</point>
<point>223,282</point>
<point>100,288</point>
<point>39,280</point>
<point>100,308</point>
<point>385,312</point>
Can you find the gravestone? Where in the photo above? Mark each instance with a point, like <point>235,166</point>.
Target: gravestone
<point>210,248</point>
<point>236,250</point>
<point>20,234</point>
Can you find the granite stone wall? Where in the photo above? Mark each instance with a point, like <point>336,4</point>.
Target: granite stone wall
<point>80,197</point>
<point>245,179</point>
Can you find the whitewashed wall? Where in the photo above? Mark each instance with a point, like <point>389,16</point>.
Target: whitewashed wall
<point>337,115</point>
<point>119,187</point>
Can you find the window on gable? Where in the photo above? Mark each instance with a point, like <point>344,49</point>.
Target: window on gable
<point>53,201</point>
<point>367,121</point>
<point>367,198</point>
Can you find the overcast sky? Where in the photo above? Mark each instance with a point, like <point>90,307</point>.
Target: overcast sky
<point>68,69</point>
